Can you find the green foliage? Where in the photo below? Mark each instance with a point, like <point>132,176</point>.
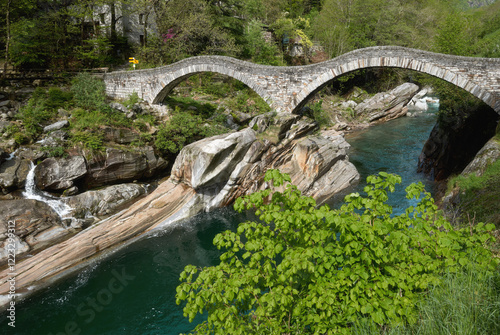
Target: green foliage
<point>452,36</point>
<point>192,32</point>
<point>86,126</point>
<point>55,151</point>
<point>480,195</point>
<point>92,140</point>
<point>33,115</point>
<point>467,302</point>
<point>205,110</point>
<point>89,92</point>
<point>15,132</point>
<point>95,52</point>
<point>95,119</point>
<point>132,100</point>
<point>28,48</point>
<point>304,269</point>
<point>144,122</point>
<point>258,49</point>
<point>181,129</point>
<point>319,114</point>
<point>40,109</point>
<point>464,303</point>
<point>57,98</point>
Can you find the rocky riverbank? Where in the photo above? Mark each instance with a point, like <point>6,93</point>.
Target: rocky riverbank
<point>206,174</point>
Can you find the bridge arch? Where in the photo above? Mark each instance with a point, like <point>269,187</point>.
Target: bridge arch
<point>169,82</point>
<point>427,67</point>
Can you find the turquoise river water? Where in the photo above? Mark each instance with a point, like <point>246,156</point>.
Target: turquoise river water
<point>132,291</point>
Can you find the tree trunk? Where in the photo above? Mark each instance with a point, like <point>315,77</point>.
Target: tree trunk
<point>113,22</point>
<point>7,38</point>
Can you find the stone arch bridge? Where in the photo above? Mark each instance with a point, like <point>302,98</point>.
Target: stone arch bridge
<point>286,89</point>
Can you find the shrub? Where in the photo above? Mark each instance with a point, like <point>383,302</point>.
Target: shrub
<point>57,98</point>
<point>88,139</point>
<point>480,196</point>
<point>304,269</point>
<point>182,129</point>
<point>33,115</point>
<point>319,115</point>
<point>467,302</point>
<point>132,99</point>
<point>55,151</point>
<point>89,92</point>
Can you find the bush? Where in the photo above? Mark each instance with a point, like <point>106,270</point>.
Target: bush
<point>89,139</point>
<point>467,302</point>
<point>57,98</point>
<point>33,115</point>
<point>304,269</point>
<point>480,196</point>
<point>319,115</point>
<point>183,128</point>
<point>55,151</point>
<point>89,92</point>
<point>132,100</point>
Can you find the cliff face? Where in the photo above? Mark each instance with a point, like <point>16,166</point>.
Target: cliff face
<point>454,142</point>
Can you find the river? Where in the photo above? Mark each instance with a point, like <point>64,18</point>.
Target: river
<point>133,290</point>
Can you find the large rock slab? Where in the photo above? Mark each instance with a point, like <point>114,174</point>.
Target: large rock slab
<point>488,154</point>
<point>33,220</point>
<point>13,173</point>
<point>311,162</point>
<point>118,166</point>
<point>104,201</point>
<point>57,174</point>
<point>211,161</point>
<point>387,105</point>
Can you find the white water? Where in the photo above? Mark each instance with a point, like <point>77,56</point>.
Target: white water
<point>32,192</point>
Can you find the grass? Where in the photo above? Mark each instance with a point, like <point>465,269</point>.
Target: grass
<point>480,196</point>
<point>465,303</point>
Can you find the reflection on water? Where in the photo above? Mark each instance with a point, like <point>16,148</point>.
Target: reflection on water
<point>133,290</point>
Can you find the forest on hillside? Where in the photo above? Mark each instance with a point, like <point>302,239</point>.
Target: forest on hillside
<point>77,34</point>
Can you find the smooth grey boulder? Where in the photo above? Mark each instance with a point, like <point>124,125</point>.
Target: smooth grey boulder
<point>117,165</point>
<point>210,161</point>
<point>119,106</point>
<point>33,153</point>
<point>32,218</point>
<point>387,105</point>
<point>58,174</point>
<point>104,201</point>
<point>13,174</point>
<point>56,126</point>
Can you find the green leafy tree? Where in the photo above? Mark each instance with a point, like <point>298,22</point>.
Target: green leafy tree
<point>304,269</point>
<point>181,129</point>
<point>453,37</point>
<point>13,11</point>
<point>260,50</point>
<point>184,33</point>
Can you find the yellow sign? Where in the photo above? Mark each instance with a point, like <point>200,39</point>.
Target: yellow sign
<point>133,60</point>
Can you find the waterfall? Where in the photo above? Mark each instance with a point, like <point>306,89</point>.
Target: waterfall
<point>32,192</point>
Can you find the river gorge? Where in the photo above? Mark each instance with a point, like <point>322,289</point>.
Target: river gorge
<point>132,290</point>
